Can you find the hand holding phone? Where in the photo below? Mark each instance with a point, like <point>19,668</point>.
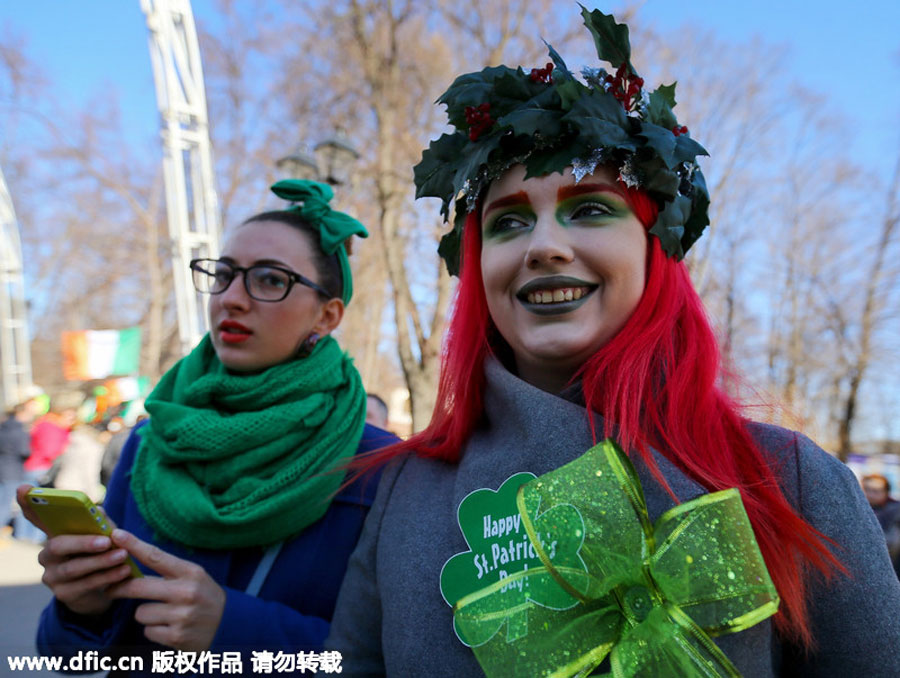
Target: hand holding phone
<point>71,512</point>
<point>79,559</point>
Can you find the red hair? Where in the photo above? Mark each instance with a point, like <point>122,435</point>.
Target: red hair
<point>656,383</point>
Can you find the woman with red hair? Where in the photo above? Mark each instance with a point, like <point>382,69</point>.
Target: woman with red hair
<point>506,535</point>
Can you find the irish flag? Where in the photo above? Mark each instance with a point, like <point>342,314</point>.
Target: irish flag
<point>97,354</point>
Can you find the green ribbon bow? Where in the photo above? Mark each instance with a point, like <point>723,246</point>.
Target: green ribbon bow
<point>650,596</point>
<point>334,227</point>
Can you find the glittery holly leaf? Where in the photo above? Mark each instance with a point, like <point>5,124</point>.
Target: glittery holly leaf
<point>610,38</point>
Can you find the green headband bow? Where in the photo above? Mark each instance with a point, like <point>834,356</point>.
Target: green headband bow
<point>548,120</point>
<point>334,227</point>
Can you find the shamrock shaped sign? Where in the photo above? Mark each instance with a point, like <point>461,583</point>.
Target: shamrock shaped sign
<point>502,559</point>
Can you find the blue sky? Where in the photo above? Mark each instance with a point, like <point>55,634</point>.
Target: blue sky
<point>849,52</point>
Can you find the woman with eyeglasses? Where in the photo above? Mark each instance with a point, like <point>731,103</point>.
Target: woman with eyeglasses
<point>231,497</point>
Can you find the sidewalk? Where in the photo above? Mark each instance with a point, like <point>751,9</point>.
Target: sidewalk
<point>18,563</point>
<point>22,597</point>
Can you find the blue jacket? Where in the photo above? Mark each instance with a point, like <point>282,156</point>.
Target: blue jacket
<point>292,611</point>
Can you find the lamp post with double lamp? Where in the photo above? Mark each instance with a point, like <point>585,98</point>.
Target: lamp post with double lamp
<point>331,162</point>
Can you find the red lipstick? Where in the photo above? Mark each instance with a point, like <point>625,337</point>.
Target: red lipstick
<point>232,332</point>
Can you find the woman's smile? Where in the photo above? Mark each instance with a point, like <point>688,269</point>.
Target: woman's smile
<point>554,295</point>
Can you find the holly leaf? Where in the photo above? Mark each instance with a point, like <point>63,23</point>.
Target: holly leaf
<point>541,114</point>
<point>699,220</point>
<point>500,550</point>
<point>560,70</point>
<point>554,159</point>
<point>669,226</point>
<point>467,164</point>
<point>610,38</point>
<point>659,110</point>
<point>661,140</point>
<point>471,89</point>
<point>434,173</point>
<point>659,180</point>
<point>598,105</point>
<point>451,243</point>
<point>511,89</point>
<point>600,118</point>
<point>569,92</point>
<point>687,150</point>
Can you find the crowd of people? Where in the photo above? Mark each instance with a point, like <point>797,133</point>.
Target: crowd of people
<point>586,497</point>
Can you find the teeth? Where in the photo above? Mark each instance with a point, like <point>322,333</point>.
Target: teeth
<point>556,296</point>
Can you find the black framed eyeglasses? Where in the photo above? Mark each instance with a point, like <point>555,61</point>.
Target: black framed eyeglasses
<point>263,282</point>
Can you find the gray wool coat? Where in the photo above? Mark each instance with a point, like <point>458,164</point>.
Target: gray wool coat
<point>391,618</point>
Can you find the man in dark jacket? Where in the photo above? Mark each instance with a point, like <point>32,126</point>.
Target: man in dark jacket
<point>887,510</point>
<point>14,450</point>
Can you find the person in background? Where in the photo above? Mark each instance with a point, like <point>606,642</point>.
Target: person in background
<point>877,489</point>
<point>15,448</point>
<point>78,467</point>
<point>49,438</point>
<point>376,411</point>
<point>232,497</point>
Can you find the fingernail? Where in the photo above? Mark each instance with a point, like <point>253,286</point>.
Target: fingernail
<point>119,534</point>
<point>100,542</point>
<point>118,555</point>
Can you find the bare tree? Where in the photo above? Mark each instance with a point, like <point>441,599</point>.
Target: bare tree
<point>871,316</point>
<point>395,58</point>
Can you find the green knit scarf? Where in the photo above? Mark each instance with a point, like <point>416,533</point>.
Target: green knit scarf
<point>231,460</point>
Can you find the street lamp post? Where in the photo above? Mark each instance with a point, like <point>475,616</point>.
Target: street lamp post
<point>330,162</point>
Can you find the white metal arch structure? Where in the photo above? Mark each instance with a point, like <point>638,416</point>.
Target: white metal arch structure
<point>15,355</point>
<point>191,202</point>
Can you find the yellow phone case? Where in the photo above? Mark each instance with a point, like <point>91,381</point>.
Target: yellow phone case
<point>71,512</point>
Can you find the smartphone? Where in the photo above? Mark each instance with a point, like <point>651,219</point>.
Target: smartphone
<point>71,512</point>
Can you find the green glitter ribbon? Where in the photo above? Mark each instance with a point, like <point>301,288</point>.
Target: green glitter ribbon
<point>651,597</point>
<point>312,198</point>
